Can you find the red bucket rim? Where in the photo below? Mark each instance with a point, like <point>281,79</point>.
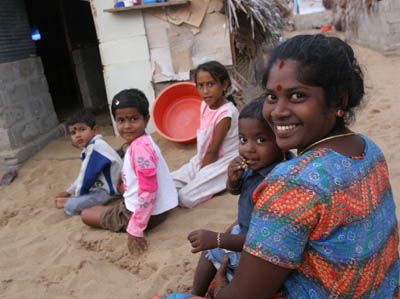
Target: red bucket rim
<point>190,139</point>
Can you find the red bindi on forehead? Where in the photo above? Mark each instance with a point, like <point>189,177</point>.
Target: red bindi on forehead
<point>279,87</point>
<point>281,64</point>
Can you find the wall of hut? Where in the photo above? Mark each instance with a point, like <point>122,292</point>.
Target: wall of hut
<point>27,116</point>
<point>375,24</point>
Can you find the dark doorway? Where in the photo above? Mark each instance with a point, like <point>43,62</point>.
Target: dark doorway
<point>64,26</point>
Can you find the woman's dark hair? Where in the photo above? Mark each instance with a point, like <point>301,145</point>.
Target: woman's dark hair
<point>128,98</point>
<point>83,116</point>
<point>218,72</point>
<point>326,62</point>
<point>254,110</point>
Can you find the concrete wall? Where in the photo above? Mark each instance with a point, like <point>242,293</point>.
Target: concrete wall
<point>377,27</point>
<point>89,72</point>
<point>313,20</point>
<point>124,51</point>
<point>27,117</point>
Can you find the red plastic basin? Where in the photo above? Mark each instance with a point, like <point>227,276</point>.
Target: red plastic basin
<point>176,112</point>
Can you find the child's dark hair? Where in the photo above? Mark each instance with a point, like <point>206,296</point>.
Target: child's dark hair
<point>218,72</point>
<point>83,116</point>
<point>254,110</point>
<point>128,98</point>
<point>326,62</point>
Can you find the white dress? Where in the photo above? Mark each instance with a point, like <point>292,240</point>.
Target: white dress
<point>195,184</point>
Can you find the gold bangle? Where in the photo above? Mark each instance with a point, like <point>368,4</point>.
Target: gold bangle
<point>219,240</point>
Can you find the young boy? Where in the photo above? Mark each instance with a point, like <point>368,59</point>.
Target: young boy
<point>258,155</point>
<point>148,190</point>
<point>97,181</point>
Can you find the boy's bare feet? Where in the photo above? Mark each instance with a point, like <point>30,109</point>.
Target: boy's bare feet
<point>59,202</point>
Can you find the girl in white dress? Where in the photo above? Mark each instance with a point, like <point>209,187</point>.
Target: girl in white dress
<point>217,138</point>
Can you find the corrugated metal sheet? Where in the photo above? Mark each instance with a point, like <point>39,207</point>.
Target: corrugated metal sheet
<point>15,33</point>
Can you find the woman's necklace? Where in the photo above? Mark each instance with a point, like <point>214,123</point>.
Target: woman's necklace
<point>325,139</point>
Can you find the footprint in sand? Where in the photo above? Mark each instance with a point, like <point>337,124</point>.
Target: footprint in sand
<point>5,283</point>
<point>167,271</point>
<point>6,216</point>
<point>146,270</point>
<point>168,276</point>
<point>118,255</point>
<point>101,241</point>
<point>185,264</point>
<point>375,111</point>
<point>91,245</point>
<point>387,127</point>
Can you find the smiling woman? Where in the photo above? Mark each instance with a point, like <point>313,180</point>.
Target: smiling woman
<point>297,112</point>
<point>324,223</point>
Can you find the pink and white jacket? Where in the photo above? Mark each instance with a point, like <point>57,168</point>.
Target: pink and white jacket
<point>149,189</point>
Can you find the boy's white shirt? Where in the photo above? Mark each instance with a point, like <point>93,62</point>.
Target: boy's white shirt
<point>100,146</point>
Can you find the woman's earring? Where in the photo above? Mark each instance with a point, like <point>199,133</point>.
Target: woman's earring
<point>340,113</point>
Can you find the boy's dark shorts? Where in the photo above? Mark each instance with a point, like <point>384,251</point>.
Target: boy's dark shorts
<point>116,218</point>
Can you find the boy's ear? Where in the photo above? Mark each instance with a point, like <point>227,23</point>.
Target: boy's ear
<point>96,129</point>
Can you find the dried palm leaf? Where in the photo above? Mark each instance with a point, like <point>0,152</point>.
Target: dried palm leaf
<point>263,15</point>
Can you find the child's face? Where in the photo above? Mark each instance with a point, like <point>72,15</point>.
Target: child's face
<point>81,134</point>
<point>210,89</point>
<point>299,114</point>
<point>131,124</point>
<point>257,143</point>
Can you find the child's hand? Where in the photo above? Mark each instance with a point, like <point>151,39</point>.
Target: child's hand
<point>136,245</point>
<point>202,240</point>
<point>236,169</point>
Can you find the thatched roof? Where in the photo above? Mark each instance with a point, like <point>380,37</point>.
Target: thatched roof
<point>264,17</point>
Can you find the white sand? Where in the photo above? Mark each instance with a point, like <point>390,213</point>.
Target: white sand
<point>45,254</point>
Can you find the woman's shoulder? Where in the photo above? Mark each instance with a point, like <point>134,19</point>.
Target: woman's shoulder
<point>293,185</point>
<point>371,149</point>
<point>325,169</point>
<point>315,170</point>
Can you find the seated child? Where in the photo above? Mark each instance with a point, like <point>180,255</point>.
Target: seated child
<point>148,189</point>
<point>97,181</point>
<point>217,143</point>
<point>258,155</point>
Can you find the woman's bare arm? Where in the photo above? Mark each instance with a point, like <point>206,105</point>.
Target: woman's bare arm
<point>255,278</point>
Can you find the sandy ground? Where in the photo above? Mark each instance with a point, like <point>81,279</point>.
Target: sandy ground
<point>45,254</point>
